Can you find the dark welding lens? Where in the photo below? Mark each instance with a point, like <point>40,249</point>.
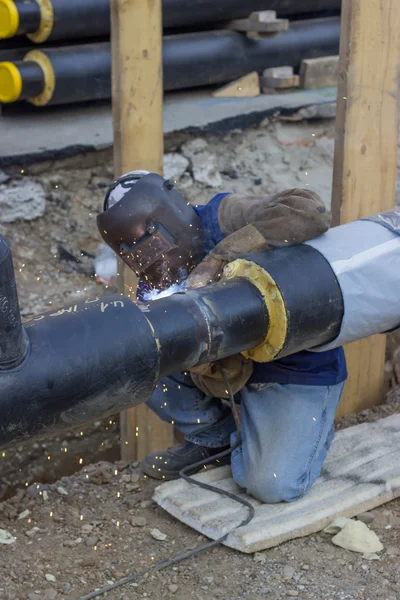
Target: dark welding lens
<point>152,246</point>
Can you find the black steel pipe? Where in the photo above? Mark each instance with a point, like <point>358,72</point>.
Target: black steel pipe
<point>82,73</point>
<point>104,355</point>
<point>13,343</point>
<point>74,19</point>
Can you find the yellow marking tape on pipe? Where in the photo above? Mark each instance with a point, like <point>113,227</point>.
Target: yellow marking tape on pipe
<point>9,19</point>
<point>44,63</point>
<point>46,22</point>
<point>10,82</point>
<point>278,322</point>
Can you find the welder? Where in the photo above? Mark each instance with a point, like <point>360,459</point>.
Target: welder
<point>288,405</point>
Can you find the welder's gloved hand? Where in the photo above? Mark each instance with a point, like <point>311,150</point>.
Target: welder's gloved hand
<point>208,378</point>
<point>209,270</point>
<point>260,222</point>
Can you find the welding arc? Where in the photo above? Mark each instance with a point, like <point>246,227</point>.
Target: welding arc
<point>183,474</point>
<point>52,20</point>
<point>82,73</point>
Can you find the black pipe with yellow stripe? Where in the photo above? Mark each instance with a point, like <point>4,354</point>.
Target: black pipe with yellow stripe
<point>58,75</point>
<point>51,20</point>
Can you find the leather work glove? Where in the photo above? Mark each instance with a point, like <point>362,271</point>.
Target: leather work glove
<point>208,378</point>
<point>209,270</point>
<point>253,223</point>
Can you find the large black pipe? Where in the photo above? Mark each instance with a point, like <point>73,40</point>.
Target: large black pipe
<point>104,355</point>
<point>74,19</point>
<point>83,73</point>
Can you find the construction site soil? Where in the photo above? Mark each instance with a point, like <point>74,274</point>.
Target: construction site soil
<point>78,525</point>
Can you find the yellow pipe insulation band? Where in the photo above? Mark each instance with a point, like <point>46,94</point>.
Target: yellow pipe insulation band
<point>278,321</point>
<point>9,19</point>
<point>44,63</point>
<point>10,82</point>
<point>46,22</point>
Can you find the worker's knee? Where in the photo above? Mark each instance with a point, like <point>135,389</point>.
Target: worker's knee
<point>267,488</point>
<point>271,481</point>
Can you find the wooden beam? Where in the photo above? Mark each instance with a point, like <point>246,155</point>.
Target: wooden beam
<point>137,99</point>
<point>365,161</point>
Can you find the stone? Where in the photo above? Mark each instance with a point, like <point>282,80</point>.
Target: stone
<point>158,535</point>
<point>6,537</point>
<point>135,477</point>
<point>288,572</point>
<point>24,514</point>
<point>173,588</point>
<point>175,166</point>
<point>91,540</point>
<point>337,525</point>
<point>371,557</point>
<point>138,522</point>
<point>259,557</point>
<point>4,177</point>
<point>356,536</point>
<point>366,517</point>
<point>87,528</point>
<point>50,577</point>
<point>208,579</point>
<point>50,594</point>
<point>126,478</point>
<point>292,593</point>
<point>72,543</point>
<point>62,491</point>
<point>204,165</point>
<point>32,532</point>
<point>22,200</point>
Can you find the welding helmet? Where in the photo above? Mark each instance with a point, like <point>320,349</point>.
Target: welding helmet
<point>152,228</point>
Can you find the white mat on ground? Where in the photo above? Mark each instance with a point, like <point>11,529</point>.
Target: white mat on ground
<point>361,472</point>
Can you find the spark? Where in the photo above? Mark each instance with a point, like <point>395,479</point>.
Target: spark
<point>51,513</point>
<point>81,461</point>
<point>118,494</point>
<point>81,517</point>
<point>3,454</point>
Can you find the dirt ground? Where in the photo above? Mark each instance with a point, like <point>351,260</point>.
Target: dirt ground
<point>78,530</point>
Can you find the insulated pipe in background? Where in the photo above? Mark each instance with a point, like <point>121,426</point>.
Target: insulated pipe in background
<point>83,73</point>
<point>52,20</point>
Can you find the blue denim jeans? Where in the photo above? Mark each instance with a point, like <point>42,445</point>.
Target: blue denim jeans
<point>286,431</point>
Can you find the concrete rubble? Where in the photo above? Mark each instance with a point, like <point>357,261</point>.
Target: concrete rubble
<point>22,200</point>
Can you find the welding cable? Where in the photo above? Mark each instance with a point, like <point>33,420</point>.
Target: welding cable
<point>205,486</point>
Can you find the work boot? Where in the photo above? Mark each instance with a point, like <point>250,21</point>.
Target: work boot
<point>168,464</point>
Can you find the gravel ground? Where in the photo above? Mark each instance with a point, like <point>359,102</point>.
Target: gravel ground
<point>78,534</point>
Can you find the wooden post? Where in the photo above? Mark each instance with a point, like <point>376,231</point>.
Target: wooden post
<point>137,98</point>
<point>365,162</point>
